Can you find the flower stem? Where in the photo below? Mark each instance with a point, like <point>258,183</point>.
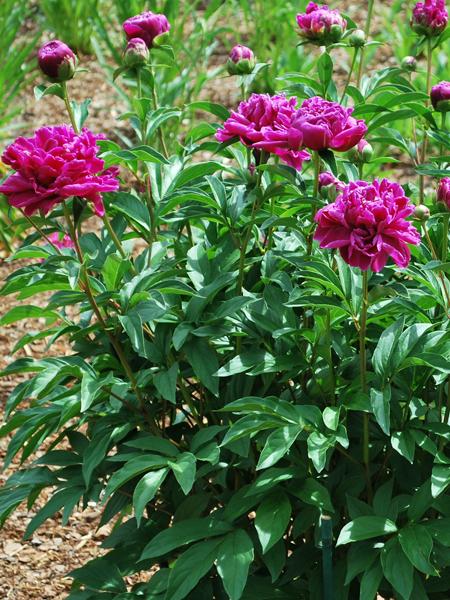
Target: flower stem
<point>41,232</point>
<point>425,139</point>
<point>366,31</point>
<point>350,73</point>
<point>69,107</point>
<point>247,235</point>
<point>96,309</point>
<point>316,163</point>
<point>363,375</point>
<point>155,106</point>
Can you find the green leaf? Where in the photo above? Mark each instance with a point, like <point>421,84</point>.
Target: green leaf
<point>272,519</point>
<point>234,557</point>
<point>146,490</point>
<point>184,470</point>
<point>397,569</point>
<point>100,574</point>
<point>190,567</point>
<point>131,469</point>
<point>325,70</point>
<point>113,270</point>
<point>385,349</point>
<point>277,445</point>
<point>184,532</point>
<point>314,493</point>
<point>215,109</point>
<point>440,479</point>
<point>380,402</point>
<point>204,363</point>
<point>365,528</point>
<point>27,311</point>
<point>166,383</point>
<point>417,544</point>
<point>403,442</point>
<point>370,582</point>
<point>95,454</point>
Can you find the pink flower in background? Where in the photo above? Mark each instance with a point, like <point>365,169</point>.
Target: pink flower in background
<point>430,17</point>
<point>321,25</point>
<point>367,222</point>
<point>260,122</point>
<point>148,26</point>
<point>443,191</point>
<point>61,242</point>
<point>440,96</point>
<point>55,164</point>
<point>325,124</point>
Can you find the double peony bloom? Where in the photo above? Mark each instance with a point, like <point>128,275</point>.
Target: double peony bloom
<point>53,165</point>
<point>429,18</point>
<point>150,27</point>
<point>273,124</point>
<point>321,25</point>
<point>443,191</point>
<point>367,223</point>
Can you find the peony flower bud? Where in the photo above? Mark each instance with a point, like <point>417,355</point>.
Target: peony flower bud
<point>409,63</point>
<point>357,38</point>
<point>362,152</point>
<point>241,61</point>
<point>429,18</point>
<point>320,25</point>
<point>57,61</point>
<point>443,191</point>
<point>330,186</point>
<point>136,53</point>
<point>150,27</point>
<point>421,213</point>
<point>440,96</point>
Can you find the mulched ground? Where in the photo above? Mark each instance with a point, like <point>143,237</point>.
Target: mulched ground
<point>36,569</point>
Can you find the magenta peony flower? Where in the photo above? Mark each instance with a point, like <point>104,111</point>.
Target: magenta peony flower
<point>55,164</point>
<point>367,222</point>
<point>136,53</point>
<point>261,119</point>
<point>443,191</point>
<point>148,26</point>
<point>440,96</point>
<point>323,124</point>
<point>57,61</point>
<point>321,25</point>
<point>241,61</point>
<point>429,18</point>
<point>61,242</point>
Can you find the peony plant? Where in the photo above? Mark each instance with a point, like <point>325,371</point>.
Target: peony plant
<point>257,393</point>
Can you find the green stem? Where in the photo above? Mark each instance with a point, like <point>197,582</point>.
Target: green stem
<point>330,358</point>
<point>316,163</point>
<point>96,309</point>
<point>115,239</point>
<point>444,129</point>
<point>41,232</point>
<point>69,107</point>
<point>363,375</point>
<point>425,139</point>
<point>350,73</point>
<point>155,106</point>
<point>367,32</point>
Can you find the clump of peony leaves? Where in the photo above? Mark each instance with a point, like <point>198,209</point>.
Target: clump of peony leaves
<point>258,415</point>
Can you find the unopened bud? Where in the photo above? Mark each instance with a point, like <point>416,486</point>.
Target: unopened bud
<point>357,38</point>
<point>241,61</point>
<point>136,53</point>
<point>422,212</point>
<point>57,61</point>
<point>409,63</point>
